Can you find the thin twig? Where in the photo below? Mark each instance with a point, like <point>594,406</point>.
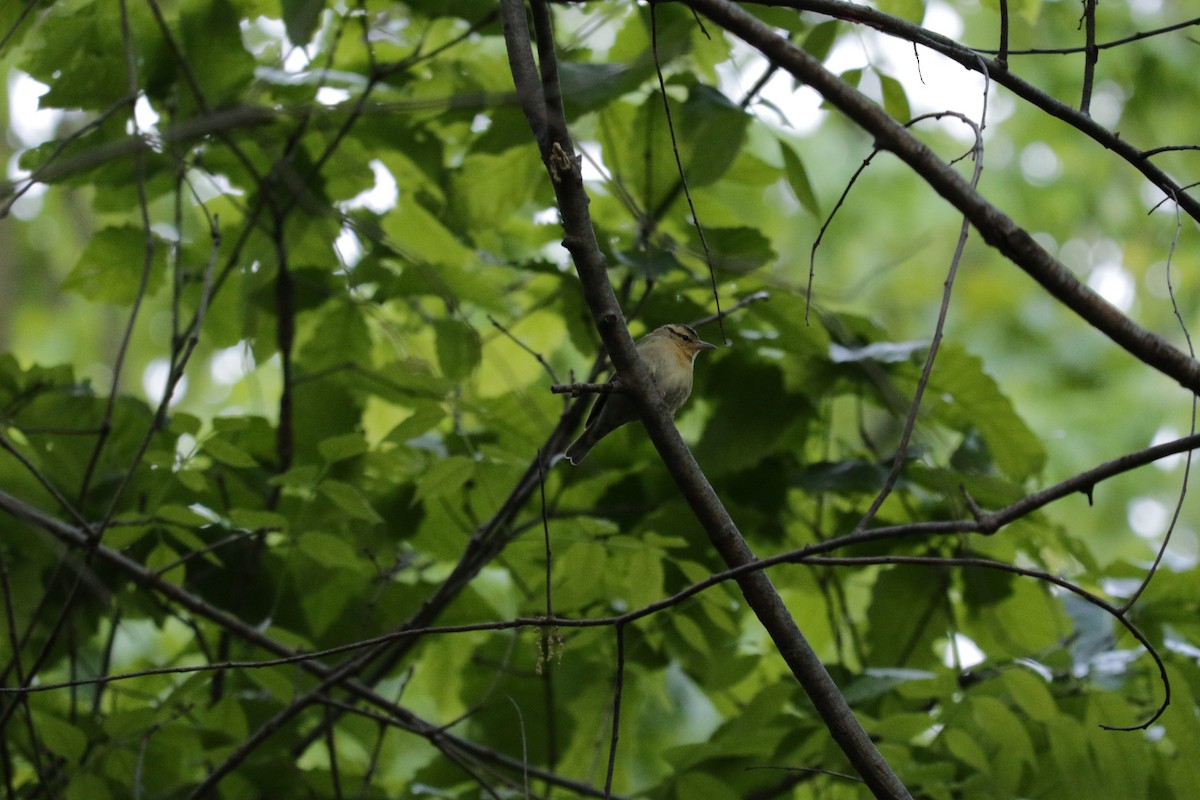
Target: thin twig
<point>687,192</point>
<point>618,686</point>
<point>1187,464</point>
<point>1091,54</point>
<point>910,420</point>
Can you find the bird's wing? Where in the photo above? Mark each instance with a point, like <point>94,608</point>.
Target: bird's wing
<point>601,399</point>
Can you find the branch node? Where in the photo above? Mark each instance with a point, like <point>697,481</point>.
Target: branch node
<point>561,162</point>
<point>988,522</point>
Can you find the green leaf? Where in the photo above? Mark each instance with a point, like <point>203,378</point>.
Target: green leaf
<point>129,722</point>
<point>737,250</point>
<point>1030,693</point>
<point>703,784</point>
<point>86,786</point>
<point>640,578</point>
<point>424,417</point>
<point>349,499</point>
<point>691,633</point>
<point>494,187</point>
<point>162,557</point>
<point>212,43</point>
<point>591,85</point>
<point>910,10</point>
<point>228,454</point>
<point>253,519</point>
<point>899,637</point>
<point>1011,746</point>
<point>876,682</point>
<point>895,100</point>
<point>798,180</point>
<point>752,413</point>
<point>962,395</point>
<point>182,515</point>
<point>820,39</point>
<point>458,348</point>
<point>711,130</point>
<point>59,736</point>
<point>300,18</point>
<point>328,549</point>
<point>842,477</point>
<point>343,447</point>
<point>79,56</point>
<point>445,477</point>
<point>110,268</point>
<point>579,574</point>
<point>966,749</point>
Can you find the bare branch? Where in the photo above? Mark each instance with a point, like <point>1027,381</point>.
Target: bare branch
<point>580,240</point>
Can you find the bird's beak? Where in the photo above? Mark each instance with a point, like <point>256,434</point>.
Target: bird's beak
<point>705,346</point>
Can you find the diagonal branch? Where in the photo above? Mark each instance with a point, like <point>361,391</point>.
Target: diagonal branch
<point>393,713</point>
<point>580,240</point>
<point>971,59</point>
<point>998,229</point>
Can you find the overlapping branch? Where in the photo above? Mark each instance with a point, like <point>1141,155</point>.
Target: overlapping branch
<point>549,129</point>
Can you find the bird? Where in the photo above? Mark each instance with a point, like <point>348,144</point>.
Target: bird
<point>670,353</point>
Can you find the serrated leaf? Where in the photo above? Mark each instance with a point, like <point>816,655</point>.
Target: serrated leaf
<point>963,396</point>
<point>60,737</point>
<point>162,557</point>
<point>1030,692</point>
<point>302,477</point>
<point>579,574</point>
<point>228,454</point>
<point>712,129</point>
<point>424,417</point>
<point>328,549</point>
<point>444,477</point>
<point>458,348</point>
<point>964,747</point>
<point>109,269</point>
<point>591,85</point>
<point>349,499</point>
<point>212,42</point>
<point>737,250</point>
<point>691,632</point>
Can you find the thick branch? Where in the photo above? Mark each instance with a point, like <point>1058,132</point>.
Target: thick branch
<point>580,239</point>
<point>998,71</point>
<point>997,229</point>
<point>395,714</point>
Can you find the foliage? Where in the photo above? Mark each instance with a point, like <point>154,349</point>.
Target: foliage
<point>286,296</point>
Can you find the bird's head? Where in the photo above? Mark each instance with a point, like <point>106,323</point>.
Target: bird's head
<point>685,339</point>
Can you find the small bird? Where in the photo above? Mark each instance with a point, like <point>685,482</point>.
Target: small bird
<point>670,352</point>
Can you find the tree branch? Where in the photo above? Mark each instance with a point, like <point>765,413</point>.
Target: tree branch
<point>580,240</point>
<point>997,229</point>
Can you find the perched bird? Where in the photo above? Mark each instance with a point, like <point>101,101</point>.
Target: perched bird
<point>670,352</point>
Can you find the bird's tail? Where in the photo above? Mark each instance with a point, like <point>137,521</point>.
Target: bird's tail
<point>579,448</point>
